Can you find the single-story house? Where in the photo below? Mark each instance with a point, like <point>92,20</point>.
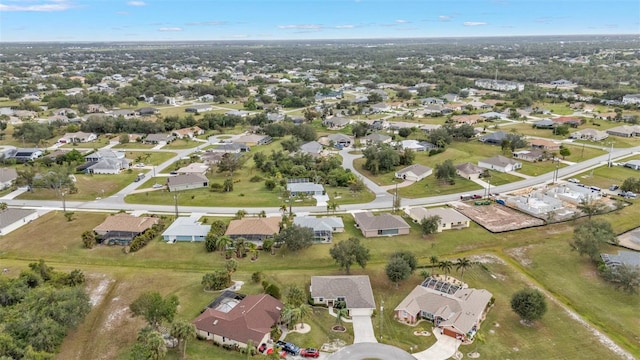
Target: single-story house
<point>323,227</point>
<point>567,120</point>
<point>494,138</point>
<point>121,228</point>
<point>125,113</point>
<point>253,139</point>
<point>235,320</point>
<point>589,134</point>
<point>415,172</point>
<point>194,168</point>
<point>380,225</point>
<point>458,315</point>
<point>191,132</point>
<point>212,158</point>
<point>186,229</point>
<point>374,139</point>
<point>532,155</point>
<point>307,188</point>
<point>233,148</point>
<point>449,218</point>
<point>158,139</point>
<point>313,148</point>
<point>466,119</point>
<point>77,137</point>
<point>254,229</point>
<point>416,145</point>
<point>491,115</point>
<point>238,113</point>
<point>7,177</point>
<point>500,163</point>
<point>199,108</point>
<point>104,154</point>
<point>625,131</point>
<point>23,155</point>
<point>543,144</point>
<point>146,111</point>
<point>544,124</point>
<point>340,140</point>
<point>336,122</point>
<point>11,219</point>
<point>469,170</point>
<point>354,290</point>
<point>108,166</point>
<point>633,164</point>
<point>187,182</point>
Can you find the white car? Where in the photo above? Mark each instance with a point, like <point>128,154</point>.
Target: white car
<point>573,180</point>
<point>140,165</point>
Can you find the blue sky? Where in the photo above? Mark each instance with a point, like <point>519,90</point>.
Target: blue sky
<point>141,20</point>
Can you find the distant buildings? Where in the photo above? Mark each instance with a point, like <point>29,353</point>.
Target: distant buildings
<point>499,85</point>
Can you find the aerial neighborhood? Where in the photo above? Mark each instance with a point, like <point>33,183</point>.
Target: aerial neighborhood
<point>415,200</point>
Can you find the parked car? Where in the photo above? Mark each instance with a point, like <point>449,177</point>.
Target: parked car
<point>288,347</point>
<point>573,180</point>
<point>310,352</point>
<point>475,196</point>
<point>262,348</point>
<point>613,187</point>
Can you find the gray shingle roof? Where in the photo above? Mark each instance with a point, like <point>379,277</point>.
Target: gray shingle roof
<point>356,289</point>
<point>368,222</point>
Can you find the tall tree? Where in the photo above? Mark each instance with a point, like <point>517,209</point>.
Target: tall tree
<point>154,308</point>
<point>589,237</point>
<point>529,304</point>
<point>429,225</point>
<point>463,264</point>
<point>397,269</point>
<point>446,266</point>
<point>183,331</point>
<point>408,257</point>
<point>296,237</point>
<point>591,207</point>
<point>348,252</point>
<point>625,277</point>
<point>445,172</point>
<point>149,345</point>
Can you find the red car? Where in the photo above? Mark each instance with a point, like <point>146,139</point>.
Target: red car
<point>310,352</point>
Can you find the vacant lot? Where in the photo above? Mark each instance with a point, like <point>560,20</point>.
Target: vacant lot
<point>498,218</point>
<point>89,187</point>
<point>604,176</point>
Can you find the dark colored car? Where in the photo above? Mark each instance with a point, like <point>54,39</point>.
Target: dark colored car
<point>476,197</point>
<point>310,352</point>
<point>262,347</point>
<point>288,347</point>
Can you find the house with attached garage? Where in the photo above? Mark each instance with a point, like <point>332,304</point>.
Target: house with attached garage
<point>77,137</point>
<point>187,181</point>
<point>23,155</point>
<point>352,290</point>
<point>456,311</point>
<point>340,140</point>
<point>469,170</point>
<point>186,229</point>
<point>323,227</point>
<point>449,218</point>
<point>158,139</point>
<point>189,133</point>
<point>500,163</point>
<point>495,138</point>
<point>235,320</point>
<point>625,131</point>
<point>306,188</point>
<point>121,228</point>
<point>11,219</point>
<point>543,144</point>
<point>415,172</point>
<point>199,108</point>
<point>336,122</point>
<point>589,134</point>
<point>105,161</point>
<point>380,225</point>
<point>312,148</point>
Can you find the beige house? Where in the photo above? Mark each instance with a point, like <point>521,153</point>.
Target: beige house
<point>449,218</point>
<point>354,290</point>
<point>380,225</point>
<point>255,229</point>
<point>469,171</point>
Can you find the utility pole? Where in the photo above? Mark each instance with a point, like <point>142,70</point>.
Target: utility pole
<point>175,199</point>
<point>610,151</point>
<point>381,317</point>
<point>64,202</point>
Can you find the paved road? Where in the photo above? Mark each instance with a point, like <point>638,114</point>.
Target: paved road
<point>364,351</point>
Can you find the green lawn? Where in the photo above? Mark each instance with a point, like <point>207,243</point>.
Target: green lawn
<point>604,176</point>
<point>432,187</point>
<point>181,144</point>
<point>527,129</point>
<point>557,108</point>
<point>102,141</point>
<point>579,153</point>
<point>539,168</point>
<point>133,145</point>
<point>89,187</point>
<point>500,178</point>
<point>149,157</point>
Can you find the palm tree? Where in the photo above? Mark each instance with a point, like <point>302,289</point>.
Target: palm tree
<point>153,342</point>
<point>253,249</point>
<point>3,206</point>
<point>434,260</point>
<point>183,331</point>
<point>303,311</point>
<point>240,247</point>
<point>462,264</point>
<point>240,214</point>
<point>590,207</point>
<point>446,266</point>
<point>223,243</point>
<point>333,206</point>
<point>341,314</point>
<point>283,208</point>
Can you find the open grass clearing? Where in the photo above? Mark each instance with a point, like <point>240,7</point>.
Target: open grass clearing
<point>149,157</point>
<point>89,187</point>
<point>133,145</point>
<point>433,187</point>
<point>605,176</point>
<point>499,178</point>
<point>181,144</point>
<point>539,167</point>
<point>101,142</point>
<point>580,153</point>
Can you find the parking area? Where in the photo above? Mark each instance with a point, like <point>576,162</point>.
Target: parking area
<point>497,218</point>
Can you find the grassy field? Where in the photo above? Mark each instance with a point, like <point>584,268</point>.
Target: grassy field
<point>134,145</point>
<point>149,157</point>
<point>89,187</point>
<point>540,256</point>
<point>579,153</point>
<point>539,168</point>
<point>181,144</point>
<point>102,141</point>
<point>432,187</point>
<point>499,178</point>
<point>604,176</point>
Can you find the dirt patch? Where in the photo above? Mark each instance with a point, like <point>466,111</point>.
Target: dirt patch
<point>630,239</point>
<point>487,259</point>
<point>97,293</point>
<point>498,218</point>
<point>520,254</point>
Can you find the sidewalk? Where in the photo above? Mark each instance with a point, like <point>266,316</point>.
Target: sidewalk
<point>12,195</point>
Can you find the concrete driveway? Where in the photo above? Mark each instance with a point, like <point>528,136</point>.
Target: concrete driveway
<point>362,326</point>
<point>443,349</point>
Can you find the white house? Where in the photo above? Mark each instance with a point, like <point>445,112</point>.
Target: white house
<point>449,218</point>
<point>500,163</point>
<point>415,172</point>
<point>11,219</point>
<point>186,229</point>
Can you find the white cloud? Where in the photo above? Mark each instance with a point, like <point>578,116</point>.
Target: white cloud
<point>136,3</point>
<point>300,27</point>
<point>206,23</point>
<point>170,29</point>
<point>444,18</point>
<point>474,23</point>
<point>345,26</point>
<point>400,21</point>
<point>122,13</point>
<point>40,6</point>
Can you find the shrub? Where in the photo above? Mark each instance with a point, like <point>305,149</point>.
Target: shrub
<point>256,179</point>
